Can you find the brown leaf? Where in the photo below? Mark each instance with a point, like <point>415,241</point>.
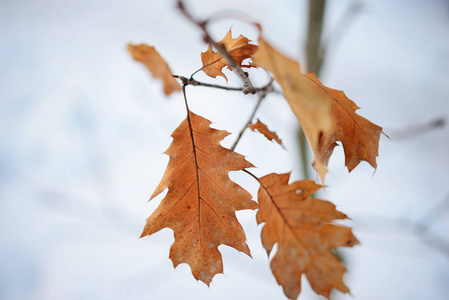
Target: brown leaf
<point>201,201</point>
<point>239,48</point>
<point>303,230</point>
<point>156,64</point>
<point>263,129</point>
<point>359,136</point>
<point>326,115</point>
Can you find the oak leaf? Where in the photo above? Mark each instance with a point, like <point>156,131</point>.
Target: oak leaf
<point>263,129</point>
<point>326,115</point>
<point>303,230</point>
<point>201,201</point>
<point>239,49</point>
<point>156,65</point>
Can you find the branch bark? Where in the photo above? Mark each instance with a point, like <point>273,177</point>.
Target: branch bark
<point>191,81</point>
<point>267,89</point>
<point>247,85</point>
<point>315,28</point>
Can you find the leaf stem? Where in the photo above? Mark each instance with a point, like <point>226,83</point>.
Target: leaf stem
<point>185,100</point>
<point>196,160</point>
<point>191,76</point>
<point>252,175</point>
<point>278,209</point>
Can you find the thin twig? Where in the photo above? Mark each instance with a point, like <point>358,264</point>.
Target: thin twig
<point>436,212</point>
<point>233,65</point>
<point>353,11</point>
<point>267,89</point>
<point>191,81</point>
<point>416,130</point>
<point>421,227</point>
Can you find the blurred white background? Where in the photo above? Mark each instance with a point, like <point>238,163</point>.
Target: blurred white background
<point>83,128</point>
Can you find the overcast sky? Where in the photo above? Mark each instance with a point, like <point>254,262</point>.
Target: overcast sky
<point>83,129</point>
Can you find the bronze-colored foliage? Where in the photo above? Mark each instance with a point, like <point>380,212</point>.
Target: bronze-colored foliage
<point>326,115</point>
<point>156,65</point>
<point>263,129</point>
<point>359,136</point>
<point>201,201</point>
<point>303,229</point>
<point>239,48</point>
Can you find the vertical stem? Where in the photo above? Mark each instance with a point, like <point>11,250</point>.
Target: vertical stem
<point>315,57</point>
<point>315,28</point>
<point>304,152</point>
<point>185,100</point>
<point>314,62</point>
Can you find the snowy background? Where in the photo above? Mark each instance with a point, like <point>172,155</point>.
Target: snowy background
<point>83,128</point>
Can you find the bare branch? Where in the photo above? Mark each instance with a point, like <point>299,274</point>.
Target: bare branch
<point>418,129</point>
<point>419,228</point>
<point>436,212</point>
<point>354,9</point>
<point>234,66</point>
<point>262,93</point>
<point>191,81</point>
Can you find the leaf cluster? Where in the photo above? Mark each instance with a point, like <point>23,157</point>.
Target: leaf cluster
<point>202,200</point>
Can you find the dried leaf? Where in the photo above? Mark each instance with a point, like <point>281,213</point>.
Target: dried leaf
<point>326,115</point>
<point>263,129</point>
<point>239,48</point>
<point>156,64</point>
<point>359,136</point>
<point>201,201</point>
<point>303,230</point>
